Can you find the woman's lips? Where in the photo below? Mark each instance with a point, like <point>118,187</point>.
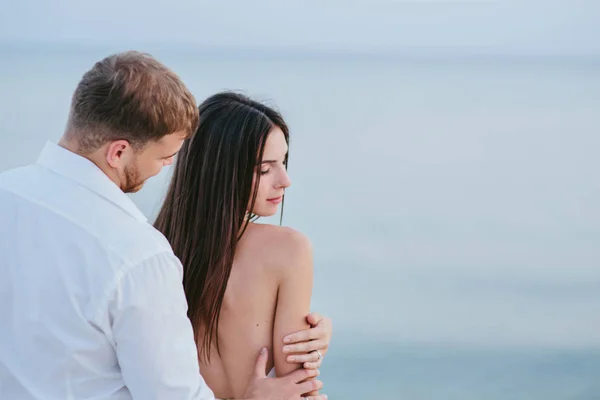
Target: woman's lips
<point>275,200</point>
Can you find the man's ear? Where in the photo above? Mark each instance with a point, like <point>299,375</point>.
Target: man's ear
<point>118,153</point>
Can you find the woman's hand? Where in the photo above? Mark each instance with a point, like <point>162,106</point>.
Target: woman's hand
<point>313,342</point>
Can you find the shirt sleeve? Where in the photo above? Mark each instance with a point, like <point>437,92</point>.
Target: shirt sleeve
<point>153,335</point>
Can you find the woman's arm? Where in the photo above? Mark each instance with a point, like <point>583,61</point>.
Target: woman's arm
<point>293,298</point>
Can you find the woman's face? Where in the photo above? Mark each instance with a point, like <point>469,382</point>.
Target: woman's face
<point>273,175</point>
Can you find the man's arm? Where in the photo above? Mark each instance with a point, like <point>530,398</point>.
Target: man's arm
<point>289,387</point>
<point>153,335</point>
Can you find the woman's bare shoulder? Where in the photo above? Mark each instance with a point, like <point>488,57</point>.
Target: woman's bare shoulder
<point>280,243</point>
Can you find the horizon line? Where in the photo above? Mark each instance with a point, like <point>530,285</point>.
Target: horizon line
<point>458,51</point>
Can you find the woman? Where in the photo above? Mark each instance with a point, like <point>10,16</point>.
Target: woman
<point>247,284</point>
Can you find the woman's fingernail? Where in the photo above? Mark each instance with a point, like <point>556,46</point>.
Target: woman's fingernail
<point>291,359</point>
<point>287,340</point>
<point>286,349</point>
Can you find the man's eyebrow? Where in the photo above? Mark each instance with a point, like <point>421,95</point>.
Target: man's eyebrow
<point>172,155</point>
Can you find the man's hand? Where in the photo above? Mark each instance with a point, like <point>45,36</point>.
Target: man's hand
<point>290,387</point>
<point>313,342</point>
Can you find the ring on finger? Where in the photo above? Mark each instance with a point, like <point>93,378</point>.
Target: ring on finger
<point>320,355</point>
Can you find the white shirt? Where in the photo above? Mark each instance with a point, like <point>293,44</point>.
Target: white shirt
<point>91,296</point>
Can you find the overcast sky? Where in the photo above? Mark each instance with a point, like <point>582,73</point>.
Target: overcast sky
<point>556,27</point>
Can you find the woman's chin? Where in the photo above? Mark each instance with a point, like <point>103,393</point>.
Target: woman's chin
<point>266,212</point>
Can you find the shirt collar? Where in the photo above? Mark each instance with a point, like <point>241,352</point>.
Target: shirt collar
<point>81,170</point>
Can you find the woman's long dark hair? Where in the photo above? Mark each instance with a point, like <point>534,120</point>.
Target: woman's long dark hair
<point>205,210</point>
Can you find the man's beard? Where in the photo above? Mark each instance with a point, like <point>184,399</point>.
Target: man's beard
<point>132,182</point>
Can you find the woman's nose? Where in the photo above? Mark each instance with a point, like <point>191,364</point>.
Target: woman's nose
<point>284,180</point>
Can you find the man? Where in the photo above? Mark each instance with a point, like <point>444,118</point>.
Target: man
<point>91,296</point>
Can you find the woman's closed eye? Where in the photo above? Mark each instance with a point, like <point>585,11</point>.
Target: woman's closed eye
<point>270,164</point>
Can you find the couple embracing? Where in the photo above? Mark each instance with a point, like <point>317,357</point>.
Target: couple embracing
<point>96,302</point>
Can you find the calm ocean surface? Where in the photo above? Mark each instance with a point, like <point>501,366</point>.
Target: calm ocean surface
<point>453,204</point>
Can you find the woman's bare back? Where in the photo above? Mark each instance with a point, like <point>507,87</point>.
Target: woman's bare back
<point>267,296</point>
